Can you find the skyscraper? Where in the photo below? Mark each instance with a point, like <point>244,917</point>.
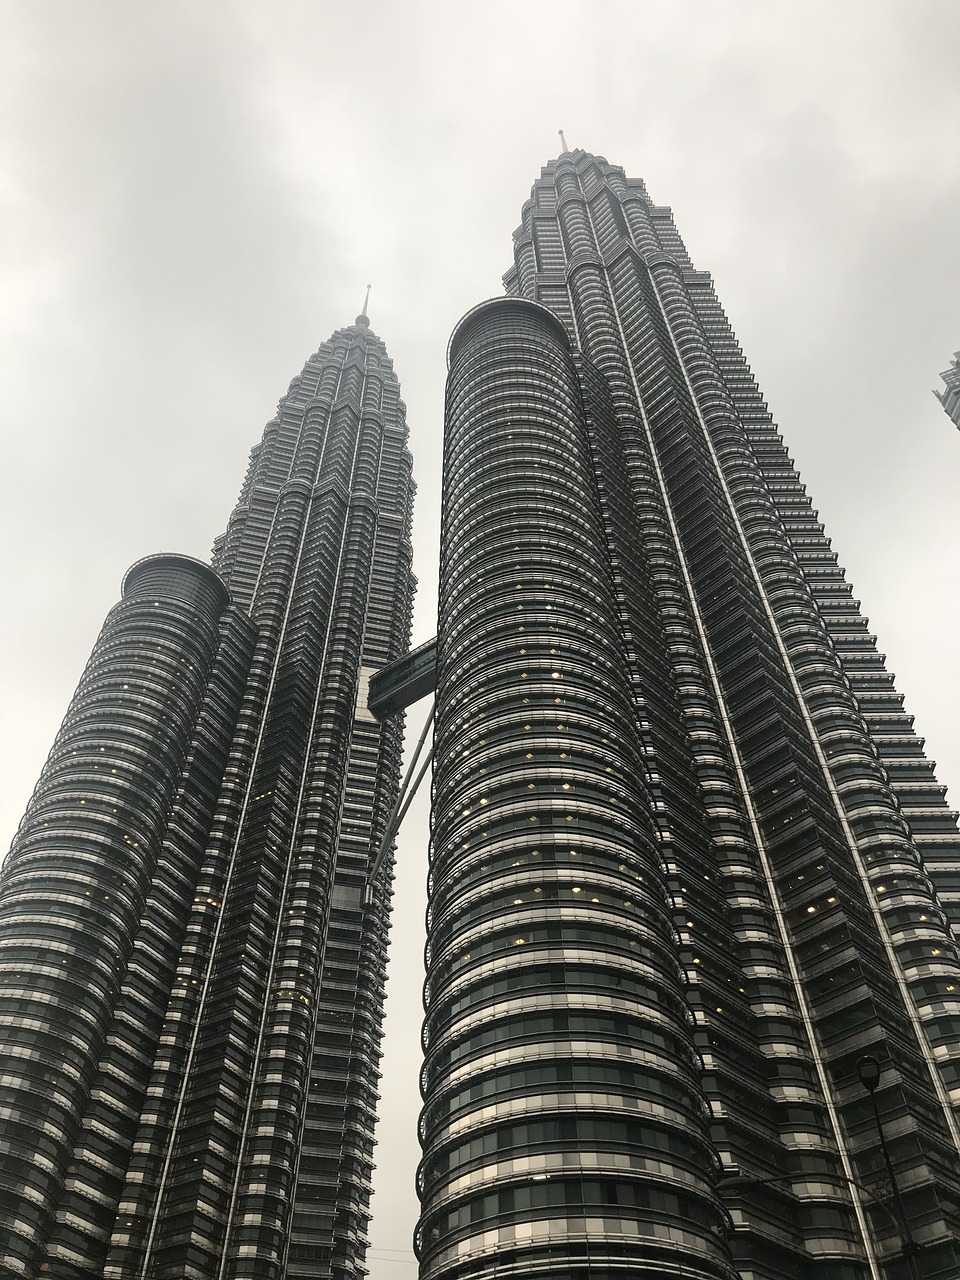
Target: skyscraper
<point>192,967</point>
<point>690,866</point>
<point>950,396</point>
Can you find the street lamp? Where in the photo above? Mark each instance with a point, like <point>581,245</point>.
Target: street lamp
<point>868,1069</point>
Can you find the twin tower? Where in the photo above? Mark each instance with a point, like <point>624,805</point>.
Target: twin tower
<point>689,864</point>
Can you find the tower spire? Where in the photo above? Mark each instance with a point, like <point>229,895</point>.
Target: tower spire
<point>362,318</point>
<point>563,141</point>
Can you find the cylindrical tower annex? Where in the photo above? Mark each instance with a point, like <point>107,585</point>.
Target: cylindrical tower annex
<point>74,885</point>
<point>564,1130</point>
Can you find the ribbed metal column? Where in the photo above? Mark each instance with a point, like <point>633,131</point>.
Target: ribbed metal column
<point>563,1124</point>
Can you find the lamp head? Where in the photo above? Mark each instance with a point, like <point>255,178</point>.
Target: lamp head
<point>868,1069</point>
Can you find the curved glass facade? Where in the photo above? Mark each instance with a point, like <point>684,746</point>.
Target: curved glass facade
<point>564,1121</point>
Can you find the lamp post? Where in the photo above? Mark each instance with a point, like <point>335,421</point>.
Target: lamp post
<point>868,1069</point>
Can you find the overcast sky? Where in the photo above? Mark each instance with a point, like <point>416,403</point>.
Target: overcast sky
<point>194,195</point>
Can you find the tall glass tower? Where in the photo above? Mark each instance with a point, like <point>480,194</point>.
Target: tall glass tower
<point>690,866</point>
<point>192,967</point>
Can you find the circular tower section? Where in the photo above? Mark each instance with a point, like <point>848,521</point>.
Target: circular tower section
<point>73,888</point>
<point>563,1125</point>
